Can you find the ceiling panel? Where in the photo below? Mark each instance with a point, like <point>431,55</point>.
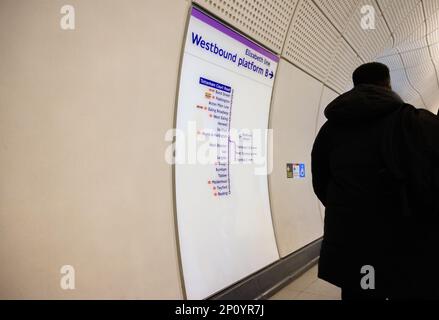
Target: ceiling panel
<point>416,101</point>
<point>406,19</point>
<point>429,95</point>
<point>266,21</point>
<point>344,62</point>
<point>338,11</point>
<point>400,83</point>
<point>409,25</point>
<point>433,29</point>
<point>312,40</point>
<point>423,78</point>
<point>308,33</point>
<point>431,7</point>
<point>416,40</point>
<point>433,101</point>
<point>394,61</point>
<point>388,49</point>
<point>435,53</point>
<point>433,37</point>
<point>367,43</point>
<point>396,11</point>
<point>416,58</point>
<point>433,22</point>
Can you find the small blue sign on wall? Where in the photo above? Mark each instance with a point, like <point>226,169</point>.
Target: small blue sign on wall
<point>302,173</point>
<point>296,171</point>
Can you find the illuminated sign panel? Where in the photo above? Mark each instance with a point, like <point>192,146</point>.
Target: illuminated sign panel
<point>223,211</point>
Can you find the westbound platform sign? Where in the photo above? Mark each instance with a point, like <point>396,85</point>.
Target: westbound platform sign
<point>222,200</point>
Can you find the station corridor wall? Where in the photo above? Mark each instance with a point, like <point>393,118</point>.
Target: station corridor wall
<point>84,114</point>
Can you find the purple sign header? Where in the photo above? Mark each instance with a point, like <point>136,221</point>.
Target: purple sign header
<point>233,34</point>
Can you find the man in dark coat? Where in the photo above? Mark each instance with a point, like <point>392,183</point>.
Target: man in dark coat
<point>373,166</point>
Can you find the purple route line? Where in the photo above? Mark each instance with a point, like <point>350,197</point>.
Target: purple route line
<point>234,144</point>
<point>228,141</point>
<point>237,151</point>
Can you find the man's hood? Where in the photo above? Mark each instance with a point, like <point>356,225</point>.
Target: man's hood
<point>363,103</point>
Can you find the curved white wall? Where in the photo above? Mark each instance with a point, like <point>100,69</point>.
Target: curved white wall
<point>293,119</point>
<point>327,97</point>
<point>83,115</point>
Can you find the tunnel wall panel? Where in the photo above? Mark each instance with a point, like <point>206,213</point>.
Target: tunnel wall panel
<point>84,182</point>
<point>295,209</point>
<point>312,41</point>
<point>327,97</point>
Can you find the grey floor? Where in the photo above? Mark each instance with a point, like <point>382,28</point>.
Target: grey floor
<point>308,287</point>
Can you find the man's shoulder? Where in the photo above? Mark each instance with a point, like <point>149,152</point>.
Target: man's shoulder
<point>418,114</point>
<point>420,124</point>
<point>324,129</point>
<point>412,109</point>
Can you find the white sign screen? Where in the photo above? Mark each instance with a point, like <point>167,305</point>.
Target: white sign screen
<point>223,210</point>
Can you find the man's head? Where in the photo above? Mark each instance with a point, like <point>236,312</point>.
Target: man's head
<point>374,73</point>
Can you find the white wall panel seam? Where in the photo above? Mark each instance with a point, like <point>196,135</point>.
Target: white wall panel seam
<point>428,16</point>
<point>333,59</point>
<point>428,45</point>
<point>174,193</point>
<point>289,27</point>
<point>271,151</point>
<point>409,81</point>
<point>401,21</point>
<point>413,30</point>
<point>318,112</point>
<point>306,45</point>
<point>311,75</point>
<point>303,68</point>
<point>292,121</point>
<point>400,55</point>
<point>322,5</point>
<point>391,36</point>
<point>366,46</point>
<point>340,31</point>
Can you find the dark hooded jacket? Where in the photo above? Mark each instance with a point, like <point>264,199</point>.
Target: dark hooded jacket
<point>374,169</point>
